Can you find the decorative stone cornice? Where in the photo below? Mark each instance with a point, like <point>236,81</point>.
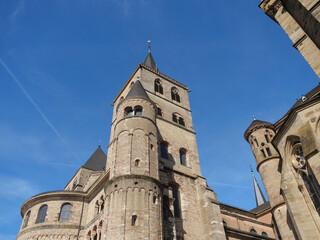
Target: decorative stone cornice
<point>270,7</point>
<point>255,125</point>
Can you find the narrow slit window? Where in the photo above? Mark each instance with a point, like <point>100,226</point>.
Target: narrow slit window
<point>159,112</point>
<point>269,152</point>
<point>263,153</point>
<point>267,138</point>
<point>137,163</point>
<point>134,220</point>
<point>164,150</point>
<point>183,157</point>
<point>26,220</point>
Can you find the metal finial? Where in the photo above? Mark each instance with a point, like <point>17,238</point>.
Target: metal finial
<point>149,45</point>
<point>254,118</point>
<point>99,142</point>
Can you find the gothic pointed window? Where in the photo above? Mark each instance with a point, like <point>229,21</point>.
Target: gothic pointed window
<point>159,112</point>
<point>65,212</point>
<point>252,230</point>
<point>158,86</point>
<point>183,157</point>
<point>42,214</point>
<point>26,219</point>
<point>164,150</point>
<point>175,95</point>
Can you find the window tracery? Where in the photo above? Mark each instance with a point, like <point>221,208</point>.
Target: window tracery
<point>158,86</point>
<point>175,94</point>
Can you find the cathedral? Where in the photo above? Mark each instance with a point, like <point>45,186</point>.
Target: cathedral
<point>150,186</point>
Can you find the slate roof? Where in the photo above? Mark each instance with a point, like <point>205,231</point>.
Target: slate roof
<point>97,162</point>
<point>150,62</point>
<point>260,199</point>
<point>261,208</point>
<point>137,90</point>
<point>256,124</point>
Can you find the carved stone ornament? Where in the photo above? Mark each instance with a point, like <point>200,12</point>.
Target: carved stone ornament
<point>298,161</point>
<point>272,8</point>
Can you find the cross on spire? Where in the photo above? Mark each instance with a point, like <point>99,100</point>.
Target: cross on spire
<point>149,45</point>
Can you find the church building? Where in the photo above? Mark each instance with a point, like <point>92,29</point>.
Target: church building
<point>150,185</point>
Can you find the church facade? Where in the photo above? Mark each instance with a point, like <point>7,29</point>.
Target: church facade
<point>150,185</point>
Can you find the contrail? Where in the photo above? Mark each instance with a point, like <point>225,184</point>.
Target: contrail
<point>37,107</point>
<point>229,185</point>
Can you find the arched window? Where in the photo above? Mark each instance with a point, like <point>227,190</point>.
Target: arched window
<point>158,86</point>
<point>311,187</point>
<point>26,219</point>
<point>176,203</point>
<point>264,234</point>
<point>252,230</point>
<point>183,157</point>
<point>159,112</point>
<point>175,95</point>
<point>65,212</point>
<point>129,111</point>
<point>263,153</point>
<point>181,121</point>
<point>131,84</point>
<point>137,162</point>
<point>42,214</point>
<point>164,150</point>
<point>138,111</point>
<point>174,118</point>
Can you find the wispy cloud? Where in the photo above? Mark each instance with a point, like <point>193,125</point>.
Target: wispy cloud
<point>37,108</point>
<point>17,188</point>
<point>17,11</point>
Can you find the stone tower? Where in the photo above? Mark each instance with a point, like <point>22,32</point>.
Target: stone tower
<point>300,20</point>
<point>134,191</point>
<point>259,135</point>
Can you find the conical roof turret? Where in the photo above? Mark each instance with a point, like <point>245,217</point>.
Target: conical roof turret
<point>137,90</point>
<point>150,62</point>
<point>257,124</point>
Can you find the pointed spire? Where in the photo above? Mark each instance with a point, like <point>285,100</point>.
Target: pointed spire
<point>137,90</point>
<point>260,199</point>
<point>99,143</point>
<point>149,59</point>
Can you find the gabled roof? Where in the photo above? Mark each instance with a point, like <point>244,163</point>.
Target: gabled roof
<point>150,62</point>
<point>137,90</point>
<point>97,162</point>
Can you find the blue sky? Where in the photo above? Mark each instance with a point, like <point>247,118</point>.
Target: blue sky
<point>72,57</point>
